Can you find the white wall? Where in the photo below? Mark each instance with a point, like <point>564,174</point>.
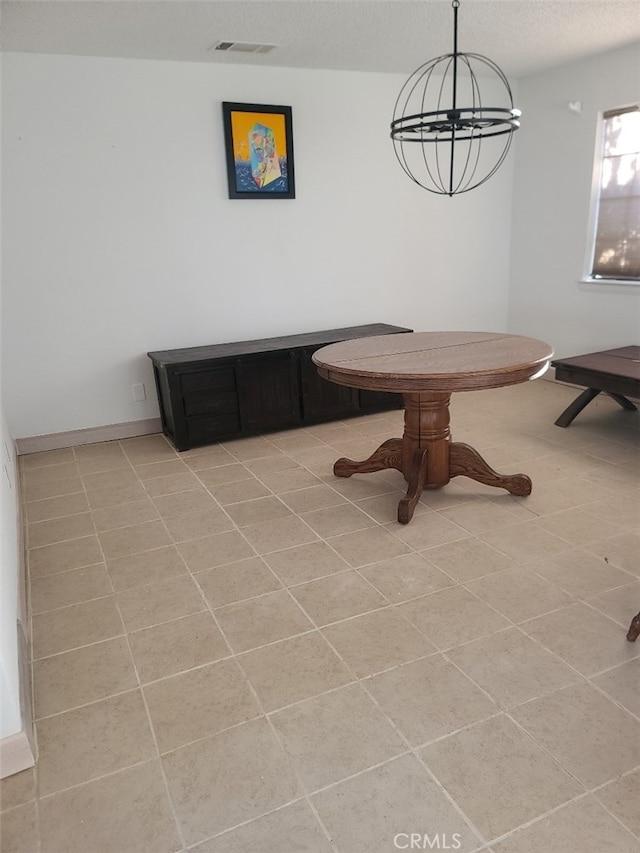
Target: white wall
<point>120,238</point>
<point>552,186</point>
<point>10,721</point>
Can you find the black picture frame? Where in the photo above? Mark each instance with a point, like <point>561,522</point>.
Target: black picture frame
<point>255,136</point>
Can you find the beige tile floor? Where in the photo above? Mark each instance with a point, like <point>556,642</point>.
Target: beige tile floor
<point>235,651</point>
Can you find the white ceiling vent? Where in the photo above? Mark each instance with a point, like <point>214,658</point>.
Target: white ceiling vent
<point>242,47</point>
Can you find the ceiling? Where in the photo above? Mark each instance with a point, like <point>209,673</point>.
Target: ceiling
<point>522,36</point>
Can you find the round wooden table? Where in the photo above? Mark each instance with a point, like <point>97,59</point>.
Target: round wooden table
<point>426,368</point>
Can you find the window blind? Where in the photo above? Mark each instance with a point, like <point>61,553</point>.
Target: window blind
<point>617,239</point>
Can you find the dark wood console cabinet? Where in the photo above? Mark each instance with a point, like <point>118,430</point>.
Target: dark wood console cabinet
<point>250,387</point>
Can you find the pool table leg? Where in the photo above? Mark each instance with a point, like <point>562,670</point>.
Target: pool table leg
<point>576,407</point>
<point>584,399</point>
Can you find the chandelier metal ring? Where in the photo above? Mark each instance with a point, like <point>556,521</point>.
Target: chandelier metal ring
<point>427,112</point>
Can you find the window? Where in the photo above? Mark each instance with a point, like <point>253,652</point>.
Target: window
<point>616,242</point>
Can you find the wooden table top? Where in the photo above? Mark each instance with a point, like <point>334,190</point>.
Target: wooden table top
<point>434,361</point>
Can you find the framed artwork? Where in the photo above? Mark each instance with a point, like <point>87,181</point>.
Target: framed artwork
<point>259,148</point>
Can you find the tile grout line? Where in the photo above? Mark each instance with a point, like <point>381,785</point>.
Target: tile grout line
<point>258,703</point>
<point>539,818</point>
<point>260,706</point>
<point>617,702</point>
<point>144,701</point>
<point>410,749</point>
<point>299,516</point>
<point>158,757</point>
<point>30,641</point>
<point>29,582</point>
<point>275,731</point>
<point>357,570</point>
<point>170,798</point>
<point>504,711</point>
<point>594,793</point>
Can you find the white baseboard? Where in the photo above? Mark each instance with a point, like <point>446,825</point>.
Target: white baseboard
<point>18,751</point>
<point>92,435</point>
<point>15,754</point>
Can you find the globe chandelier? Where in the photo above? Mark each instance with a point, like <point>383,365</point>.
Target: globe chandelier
<point>441,126</point>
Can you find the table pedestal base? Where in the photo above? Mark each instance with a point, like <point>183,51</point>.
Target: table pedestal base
<point>427,457</point>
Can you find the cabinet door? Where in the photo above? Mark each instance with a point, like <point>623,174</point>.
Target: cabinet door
<point>322,399</point>
<point>268,392</point>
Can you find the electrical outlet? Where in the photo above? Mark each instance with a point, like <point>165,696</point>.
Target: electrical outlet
<point>139,393</point>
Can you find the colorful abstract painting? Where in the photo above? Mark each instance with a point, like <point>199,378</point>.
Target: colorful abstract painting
<point>259,149</point>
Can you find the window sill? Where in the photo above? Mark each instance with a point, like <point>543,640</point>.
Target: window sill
<point>609,282</point>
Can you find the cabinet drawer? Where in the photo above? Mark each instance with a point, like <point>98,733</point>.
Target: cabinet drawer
<point>222,402</point>
<point>201,429</point>
<point>208,380</point>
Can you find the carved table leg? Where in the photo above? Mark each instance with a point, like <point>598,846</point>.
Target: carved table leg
<point>417,480</point>
<point>467,462</point>
<point>427,457</point>
<point>425,447</point>
<point>634,629</point>
<point>388,455</point>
